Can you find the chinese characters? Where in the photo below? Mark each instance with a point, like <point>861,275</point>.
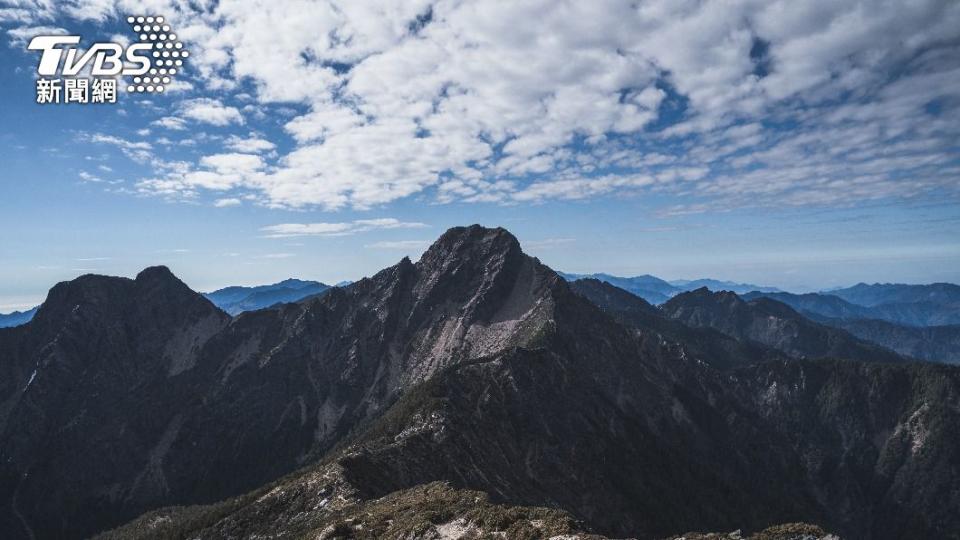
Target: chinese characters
<point>76,90</point>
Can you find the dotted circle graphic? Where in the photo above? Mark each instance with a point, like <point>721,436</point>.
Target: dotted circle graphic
<point>167,52</point>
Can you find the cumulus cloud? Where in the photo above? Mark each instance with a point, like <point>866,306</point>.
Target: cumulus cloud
<point>727,104</point>
<point>210,111</point>
<point>251,143</point>
<point>20,37</point>
<point>287,230</point>
<point>139,151</point>
<point>170,122</point>
<point>227,202</point>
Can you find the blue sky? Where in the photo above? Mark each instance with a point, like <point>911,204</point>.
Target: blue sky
<point>802,145</point>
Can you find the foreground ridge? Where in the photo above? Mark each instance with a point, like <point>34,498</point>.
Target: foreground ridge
<point>429,511</point>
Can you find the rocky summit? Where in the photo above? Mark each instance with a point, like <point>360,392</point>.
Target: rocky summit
<point>474,393</point>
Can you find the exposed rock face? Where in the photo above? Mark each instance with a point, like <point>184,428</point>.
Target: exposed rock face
<point>478,367</point>
<point>773,324</point>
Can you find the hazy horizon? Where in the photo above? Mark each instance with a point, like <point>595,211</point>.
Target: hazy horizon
<point>201,281</point>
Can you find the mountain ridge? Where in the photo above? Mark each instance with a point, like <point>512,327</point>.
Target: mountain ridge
<point>477,366</point>
<point>772,323</point>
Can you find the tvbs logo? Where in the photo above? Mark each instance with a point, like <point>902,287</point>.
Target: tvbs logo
<point>150,64</point>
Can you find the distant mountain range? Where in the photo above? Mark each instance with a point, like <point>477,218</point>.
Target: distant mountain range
<point>657,291</point>
<point>717,285</point>
<point>771,323</point>
<point>937,304</point>
<point>650,288</point>
<point>16,318</point>
<point>236,300</point>
<point>921,321</point>
<point>915,305</point>
<point>892,293</point>
<point>474,393</point>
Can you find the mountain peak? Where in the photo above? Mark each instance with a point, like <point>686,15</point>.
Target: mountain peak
<point>461,246</point>
<point>474,233</point>
<point>160,280</point>
<point>158,273</point>
<point>703,294</point>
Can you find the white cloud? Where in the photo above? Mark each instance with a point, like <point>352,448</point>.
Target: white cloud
<point>287,230</point>
<point>139,151</point>
<point>228,202</point>
<point>20,37</point>
<point>211,111</point>
<point>252,143</point>
<point>235,163</point>
<point>581,100</point>
<point>87,177</point>
<point>170,122</point>
<point>177,86</point>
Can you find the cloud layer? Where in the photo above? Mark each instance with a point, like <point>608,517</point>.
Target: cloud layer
<point>288,230</point>
<point>720,104</point>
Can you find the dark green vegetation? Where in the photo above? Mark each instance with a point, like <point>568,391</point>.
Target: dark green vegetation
<point>477,369</point>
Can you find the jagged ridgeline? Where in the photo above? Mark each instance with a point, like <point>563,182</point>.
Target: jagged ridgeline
<point>469,393</point>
